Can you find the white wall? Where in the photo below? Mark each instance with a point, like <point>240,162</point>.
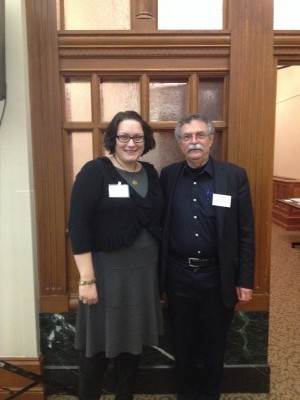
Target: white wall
<point>287,130</point>
<point>18,311</point>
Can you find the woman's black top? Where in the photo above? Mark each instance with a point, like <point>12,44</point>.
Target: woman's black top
<point>99,222</point>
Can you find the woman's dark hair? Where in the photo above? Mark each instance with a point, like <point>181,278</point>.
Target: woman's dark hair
<point>112,129</point>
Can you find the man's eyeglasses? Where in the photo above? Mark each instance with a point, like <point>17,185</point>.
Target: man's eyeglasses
<point>186,137</point>
<point>124,138</point>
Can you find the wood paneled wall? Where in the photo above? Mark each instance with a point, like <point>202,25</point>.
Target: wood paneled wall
<point>244,49</point>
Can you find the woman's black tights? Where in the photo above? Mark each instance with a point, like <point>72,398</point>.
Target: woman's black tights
<point>93,369</point>
<point>126,368</point>
<point>91,376</point>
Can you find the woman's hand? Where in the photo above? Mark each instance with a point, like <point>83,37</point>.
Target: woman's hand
<point>88,294</point>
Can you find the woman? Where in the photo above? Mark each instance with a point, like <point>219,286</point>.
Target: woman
<point>114,230</point>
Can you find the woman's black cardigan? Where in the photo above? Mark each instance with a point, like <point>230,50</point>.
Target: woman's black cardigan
<point>98,222</point>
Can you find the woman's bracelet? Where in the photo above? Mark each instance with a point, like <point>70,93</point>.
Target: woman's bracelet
<point>82,283</point>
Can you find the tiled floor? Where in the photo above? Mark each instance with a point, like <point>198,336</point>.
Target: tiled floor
<point>284,335</point>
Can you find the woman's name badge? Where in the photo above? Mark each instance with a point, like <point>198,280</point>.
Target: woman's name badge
<point>118,190</point>
<point>221,200</point>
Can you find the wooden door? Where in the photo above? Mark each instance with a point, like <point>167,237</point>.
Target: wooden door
<point>80,78</point>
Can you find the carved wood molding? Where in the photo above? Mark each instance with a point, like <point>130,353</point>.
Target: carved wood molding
<point>145,9</point>
<point>95,45</point>
<point>287,44</point>
<point>143,52</point>
<point>143,15</point>
<point>77,39</point>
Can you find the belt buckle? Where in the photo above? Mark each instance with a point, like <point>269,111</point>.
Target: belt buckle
<point>191,261</point>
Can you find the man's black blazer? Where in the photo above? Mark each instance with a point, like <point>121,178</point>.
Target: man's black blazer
<point>235,226</point>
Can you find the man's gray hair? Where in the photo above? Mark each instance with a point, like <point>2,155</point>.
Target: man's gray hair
<point>187,119</point>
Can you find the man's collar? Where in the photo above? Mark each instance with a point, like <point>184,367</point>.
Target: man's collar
<point>206,168</point>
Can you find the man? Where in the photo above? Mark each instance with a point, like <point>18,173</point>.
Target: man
<point>208,256</point>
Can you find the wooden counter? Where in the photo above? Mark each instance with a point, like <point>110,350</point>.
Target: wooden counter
<point>286,214</point>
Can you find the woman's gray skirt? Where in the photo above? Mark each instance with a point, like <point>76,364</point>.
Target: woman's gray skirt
<point>128,314</point>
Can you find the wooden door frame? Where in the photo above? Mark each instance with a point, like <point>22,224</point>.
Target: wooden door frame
<point>51,52</point>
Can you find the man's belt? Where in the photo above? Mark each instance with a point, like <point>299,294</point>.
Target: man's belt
<point>196,263</point>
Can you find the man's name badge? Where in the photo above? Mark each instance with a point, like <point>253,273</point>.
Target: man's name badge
<point>221,200</point>
<point>118,190</point>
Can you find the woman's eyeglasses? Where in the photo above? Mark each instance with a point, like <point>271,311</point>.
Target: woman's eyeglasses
<point>124,138</point>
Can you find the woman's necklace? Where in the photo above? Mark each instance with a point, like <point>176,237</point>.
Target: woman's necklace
<point>133,180</point>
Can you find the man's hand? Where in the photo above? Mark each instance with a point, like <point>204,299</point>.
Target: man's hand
<point>244,295</point>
